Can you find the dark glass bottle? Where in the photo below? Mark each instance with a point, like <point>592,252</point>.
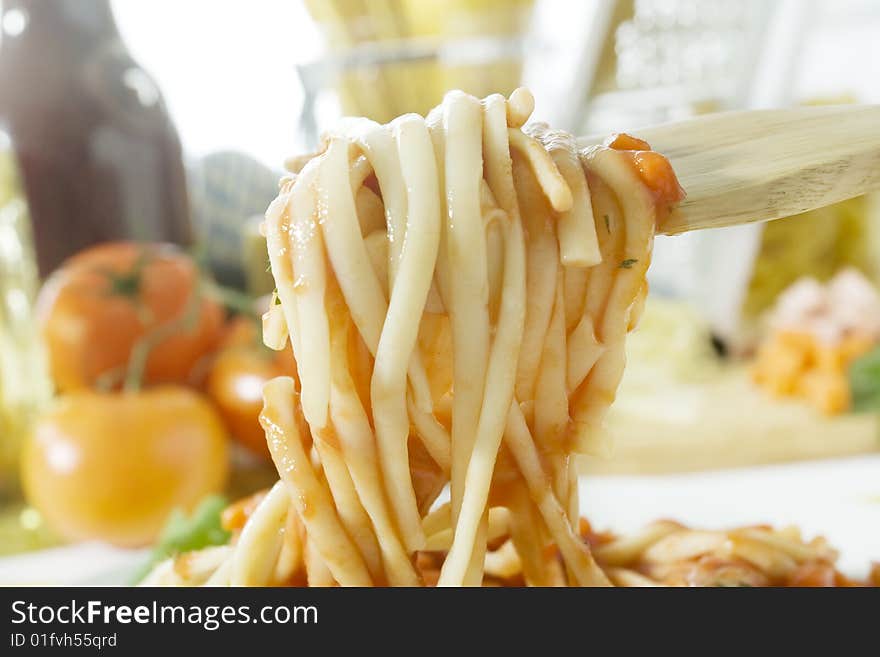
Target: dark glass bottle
<point>99,156</point>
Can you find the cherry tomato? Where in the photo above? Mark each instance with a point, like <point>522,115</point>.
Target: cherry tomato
<point>235,382</point>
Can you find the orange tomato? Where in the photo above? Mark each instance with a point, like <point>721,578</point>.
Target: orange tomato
<point>102,301</point>
<point>235,382</point>
<point>111,466</point>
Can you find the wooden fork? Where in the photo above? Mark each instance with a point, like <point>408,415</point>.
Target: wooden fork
<point>740,167</point>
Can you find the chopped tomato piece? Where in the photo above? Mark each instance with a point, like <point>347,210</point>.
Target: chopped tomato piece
<point>657,174</point>
<point>816,573</point>
<point>624,142</point>
<point>235,516</point>
<point>653,168</point>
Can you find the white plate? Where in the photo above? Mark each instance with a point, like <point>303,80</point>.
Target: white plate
<point>839,499</point>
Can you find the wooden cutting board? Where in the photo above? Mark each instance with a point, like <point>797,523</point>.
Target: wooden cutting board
<point>725,422</point>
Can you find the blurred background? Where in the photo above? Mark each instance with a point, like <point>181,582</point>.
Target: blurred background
<point>130,370</point>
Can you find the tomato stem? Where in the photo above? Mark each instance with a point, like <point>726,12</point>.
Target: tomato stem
<point>128,284</point>
<point>233,299</point>
<point>107,380</point>
<point>239,302</point>
<point>186,321</point>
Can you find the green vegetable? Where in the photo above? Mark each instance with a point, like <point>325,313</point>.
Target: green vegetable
<point>864,381</point>
<point>186,534</point>
<point>628,263</point>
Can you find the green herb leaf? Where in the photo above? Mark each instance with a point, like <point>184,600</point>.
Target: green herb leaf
<point>184,534</point>
<point>864,381</point>
<point>628,263</point>
<point>607,224</point>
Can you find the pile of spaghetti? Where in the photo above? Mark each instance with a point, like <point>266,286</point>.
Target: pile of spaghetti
<point>457,290</point>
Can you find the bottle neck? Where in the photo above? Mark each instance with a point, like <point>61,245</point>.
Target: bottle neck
<point>58,20</point>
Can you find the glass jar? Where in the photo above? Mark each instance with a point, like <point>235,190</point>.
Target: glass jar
<point>381,61</point>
